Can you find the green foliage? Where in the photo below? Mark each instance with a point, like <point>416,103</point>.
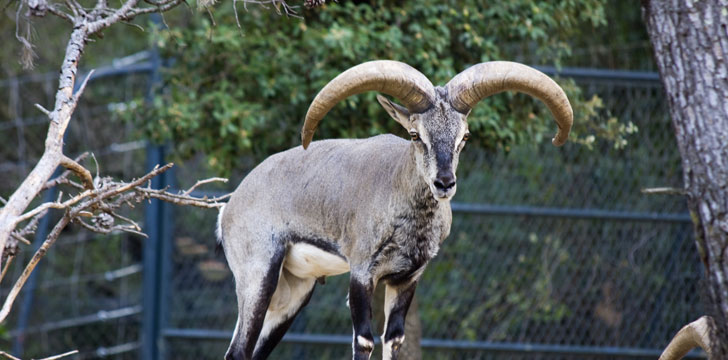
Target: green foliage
<point>234,92</point>
<point>4,336</point>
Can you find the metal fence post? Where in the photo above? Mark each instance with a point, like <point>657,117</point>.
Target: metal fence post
<point>152,263</point>
<point>155,221</point>
<point>165,265</point>
<point>158,223</point>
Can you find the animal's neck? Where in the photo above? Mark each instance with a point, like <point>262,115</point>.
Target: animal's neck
<point>412,185</point>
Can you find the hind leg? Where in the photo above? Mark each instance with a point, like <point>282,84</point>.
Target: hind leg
<point>291,295</point>
<point>256,279</point>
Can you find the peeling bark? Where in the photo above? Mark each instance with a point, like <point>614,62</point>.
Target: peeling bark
<point>690,39</point>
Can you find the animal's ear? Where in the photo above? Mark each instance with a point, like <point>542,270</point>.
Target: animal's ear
<point>398,112</point>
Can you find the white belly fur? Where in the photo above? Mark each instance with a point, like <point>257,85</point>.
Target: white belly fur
<point>307,261</point>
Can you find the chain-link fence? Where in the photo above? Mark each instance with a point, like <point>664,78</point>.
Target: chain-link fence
<point>86,293</point>
<point>553,254</point>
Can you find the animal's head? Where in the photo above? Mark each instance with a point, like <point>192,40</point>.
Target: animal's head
<point>436,117</point>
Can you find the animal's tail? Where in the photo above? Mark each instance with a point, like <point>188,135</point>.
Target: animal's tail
<point>218,233</point>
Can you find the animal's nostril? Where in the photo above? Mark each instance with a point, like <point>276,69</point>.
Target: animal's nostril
<point>445,182</point>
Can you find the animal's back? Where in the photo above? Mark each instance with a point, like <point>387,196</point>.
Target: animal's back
<point>286,191</point>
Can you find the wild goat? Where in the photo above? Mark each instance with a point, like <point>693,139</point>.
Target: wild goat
<point>378,207</point>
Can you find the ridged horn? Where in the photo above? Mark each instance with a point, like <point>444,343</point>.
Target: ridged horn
<point>697,333</point>
<point>390,77</point>
<point>479,81</point>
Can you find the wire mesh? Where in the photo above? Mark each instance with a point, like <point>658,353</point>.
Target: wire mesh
<point>505,282</point>
<point>86,293</point>
<point>505,285</point>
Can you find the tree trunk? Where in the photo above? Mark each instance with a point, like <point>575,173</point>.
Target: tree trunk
<point>690,39</point>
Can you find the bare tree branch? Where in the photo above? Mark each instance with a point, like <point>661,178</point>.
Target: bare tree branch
<point>55,357</point>
<point>81,171</point>
<point>3,353</point>
<point>6,267</point>
<point>62,180</point>
<point>202,182</point>
<point>20,238</point>
<point>32,225</point>
<point>136,26</point>
<point>100,197</point>
<point>78,93</point>
<point>663,191</point>
<point>158,8</point>
<point>39,254</point>
<point>51,158</point>
<point>101,5</point>
<point>101,229</point>
<point>43,110</point>
<point>101,204</point>
<point>55,11</point>
<point>182,199</point>
<point>53,205</point>
<point>73,8</point>
<point>85,23</point>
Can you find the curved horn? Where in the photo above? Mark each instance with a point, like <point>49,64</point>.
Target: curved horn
<point>691,335</point>
<point>390,77</point>
<point>485,79</point>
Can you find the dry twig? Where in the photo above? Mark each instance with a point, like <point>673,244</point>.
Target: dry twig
<point>43,110</point>
<point>55,357</point>
<point>6,267</point>
<point>663,191</point>
<point>101,204</point>
<point>79,170</point>
<point>63,178</point>
<point>203,182</point>
<point>3,353</point>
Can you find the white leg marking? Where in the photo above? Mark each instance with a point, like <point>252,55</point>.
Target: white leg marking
<point>365,343</point>
<point>391,346</point>
<point>390,295</point>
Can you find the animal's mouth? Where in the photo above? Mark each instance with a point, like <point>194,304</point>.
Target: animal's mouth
<point>443,195</point>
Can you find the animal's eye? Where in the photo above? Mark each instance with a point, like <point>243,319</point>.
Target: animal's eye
<point>466,136</point>
<point>415,136</point>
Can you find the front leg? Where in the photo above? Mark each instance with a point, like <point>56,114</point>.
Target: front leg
<point>397,300</point>
<point>360,299</point>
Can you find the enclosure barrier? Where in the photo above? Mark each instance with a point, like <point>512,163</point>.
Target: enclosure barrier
<point>500,229</point>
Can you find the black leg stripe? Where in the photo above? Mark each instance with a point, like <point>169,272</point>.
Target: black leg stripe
<point>270,282</point>
<point>360,305</point>
<point>275,336</point>
<point>398,313</point>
